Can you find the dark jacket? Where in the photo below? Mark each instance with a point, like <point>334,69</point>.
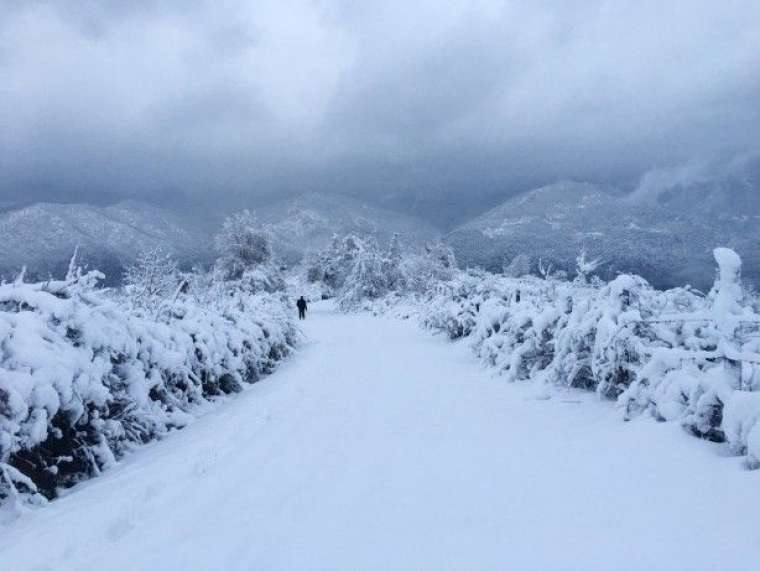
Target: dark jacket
<point>301,304</point>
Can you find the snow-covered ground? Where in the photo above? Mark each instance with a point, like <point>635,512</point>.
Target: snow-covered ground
<point>381,447</point>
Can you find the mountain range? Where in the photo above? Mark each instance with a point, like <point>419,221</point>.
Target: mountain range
<point>664,230</point>
<point>308,222</point>
<point>43,236</point>
<point>666,236</point>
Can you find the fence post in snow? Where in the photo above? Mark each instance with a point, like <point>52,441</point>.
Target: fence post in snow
<point>727,297</point>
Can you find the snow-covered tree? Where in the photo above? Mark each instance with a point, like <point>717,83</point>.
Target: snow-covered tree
<point>355,268</point>
<point>727,293</point>
<point>585,267</point>
<point>333,265</point>
<point>245,255</point>
<point>395,251</point>
<point>367,279</point>
<point>441,254</point>
<point>151,280</point>
<point>424,271</point>
<point>392,265</point>
<point>314,263</point>
<point>547,271</point>
<point>518,267</point>
<point>242,245</point>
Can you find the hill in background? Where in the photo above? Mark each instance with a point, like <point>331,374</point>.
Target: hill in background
<point>308,222</point>
<point>665,231</point>
<point>43,236</point>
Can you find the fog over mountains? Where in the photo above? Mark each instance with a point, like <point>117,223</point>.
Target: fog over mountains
<point>127,124</point>
<point>664,230</point>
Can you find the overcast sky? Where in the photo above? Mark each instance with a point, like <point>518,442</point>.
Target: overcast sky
<point>448,100</point>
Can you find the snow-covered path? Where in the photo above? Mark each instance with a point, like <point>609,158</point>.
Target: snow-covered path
<point>382,447</point>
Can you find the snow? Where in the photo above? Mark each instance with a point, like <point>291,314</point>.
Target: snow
<point>383,447</point>
<point>674,354</point>
<point>43,236</point>
<point>728,289</point>
<point>85,378</point>
<point>666,238</point>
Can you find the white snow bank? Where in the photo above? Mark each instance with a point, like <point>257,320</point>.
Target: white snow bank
<point>381,448</point>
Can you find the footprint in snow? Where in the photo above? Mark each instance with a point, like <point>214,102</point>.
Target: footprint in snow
<point>119,528</point>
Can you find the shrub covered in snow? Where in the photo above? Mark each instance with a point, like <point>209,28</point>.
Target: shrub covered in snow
<point>677,354</point>
<point>332,265</point>
<point>518,266</point>
<point>245,255</point>
<point>357,271</point>
<point>152,281</point>
<point>367,280</point>
<point>85,377</point>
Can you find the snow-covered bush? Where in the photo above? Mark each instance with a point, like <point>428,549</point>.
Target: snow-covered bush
<point>677,354</point>
<point>357,271</point>
<point>245,254</point>
<point>367,279</point>
<point>708,357</point>
<point>333,265</point>
<point>426,271</point>
<point>391,265</point>
<point>84,377</point>
<point>453,306</point>
<point>585,267</point>
<point>518,266</point>
<point>152,281</point>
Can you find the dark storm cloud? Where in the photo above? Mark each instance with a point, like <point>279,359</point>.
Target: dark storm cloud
<point>432,99</point>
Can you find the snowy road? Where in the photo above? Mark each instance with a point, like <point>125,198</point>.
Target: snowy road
<point>381,447</point>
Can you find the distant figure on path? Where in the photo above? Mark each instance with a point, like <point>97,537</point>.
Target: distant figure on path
<point>301,304</point>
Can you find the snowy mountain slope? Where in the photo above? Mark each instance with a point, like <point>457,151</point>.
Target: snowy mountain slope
<point>667,241</point>
<point>346,459</point>
<point>43,236</point>
<point>308,223</point>
<point>724,190</point>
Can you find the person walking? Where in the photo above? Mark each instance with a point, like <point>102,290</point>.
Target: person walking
<point>301,305</point>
